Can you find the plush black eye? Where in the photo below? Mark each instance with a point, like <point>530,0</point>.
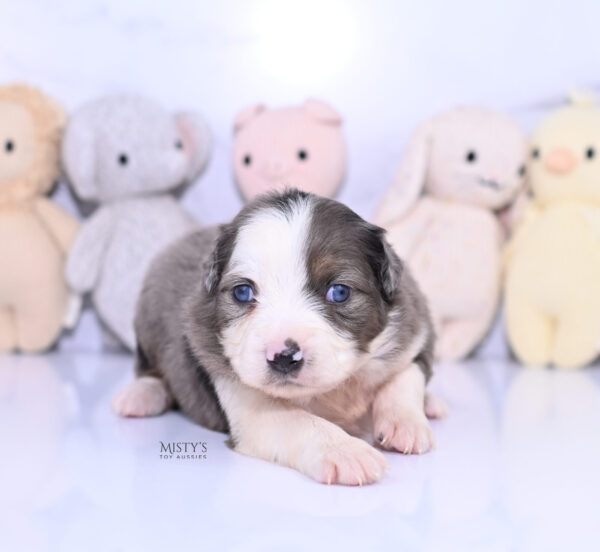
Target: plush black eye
<point>338,293</point>
<point>178,145</point>
<point>247,160</point>
<point>9,146</point>
<point>590,153</point>
<point>471,156</point>
<point>302,155</point>
<point>521,170</point>
<point>243,293</point>
<point>535,153</point>
<point>123,159</point>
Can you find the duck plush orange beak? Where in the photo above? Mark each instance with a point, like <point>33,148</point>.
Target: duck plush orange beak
<point>560,161</point>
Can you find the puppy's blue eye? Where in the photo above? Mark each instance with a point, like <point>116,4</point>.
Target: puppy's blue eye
<point>243,293</point>
<point>338,293</point>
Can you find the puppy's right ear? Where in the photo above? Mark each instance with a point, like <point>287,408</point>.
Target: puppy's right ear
<point>386,265</point>
<point>219,258</point>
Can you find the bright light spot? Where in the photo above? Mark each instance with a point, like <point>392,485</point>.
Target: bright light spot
<point>305,42</point>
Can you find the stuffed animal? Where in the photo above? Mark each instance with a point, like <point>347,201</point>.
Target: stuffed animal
<point>301,147</point>
<point>128,154</point>
<point>459,170</point>
<point>35,234</point>
<point>553,261</point>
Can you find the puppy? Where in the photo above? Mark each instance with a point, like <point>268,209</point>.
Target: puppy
<point>292,328</point>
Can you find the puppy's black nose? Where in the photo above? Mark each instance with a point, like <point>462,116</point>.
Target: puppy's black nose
<point>289,360</point>
<point>285,364</point>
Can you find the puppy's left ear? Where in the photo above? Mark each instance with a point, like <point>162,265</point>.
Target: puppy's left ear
<point>219,258</point>
<point>386,264</point>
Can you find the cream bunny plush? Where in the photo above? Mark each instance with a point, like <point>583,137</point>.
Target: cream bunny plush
<point>35,234</point>
<point>553,261</point>
<point>459,170</point>
<point>128,154</point>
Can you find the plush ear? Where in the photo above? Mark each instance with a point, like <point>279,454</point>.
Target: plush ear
<point>582,97</point>
<point>197,140</point>
<point>246,115</point>
<point>79,156</point>
<point>322,112</point>
<point>410,178</point>
<point>214,267</point>
<point>49,120</point>
<point>57,115</point>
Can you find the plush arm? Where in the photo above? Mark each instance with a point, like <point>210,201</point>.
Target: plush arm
<point>62,226</point>
<point>392,207</point>
<point>405,234</point>
<point>511,217</point>
<point>87,254</point>
<point>530,215</point>
<point>592,218</point>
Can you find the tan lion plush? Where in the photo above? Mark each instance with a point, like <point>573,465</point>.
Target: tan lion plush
<point>35,234</point>
<point>553,261</point>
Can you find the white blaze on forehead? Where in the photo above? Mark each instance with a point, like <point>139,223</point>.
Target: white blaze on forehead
<point>270,250</point>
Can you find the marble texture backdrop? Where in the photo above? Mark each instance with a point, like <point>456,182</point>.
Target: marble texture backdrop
<point>385,65</point>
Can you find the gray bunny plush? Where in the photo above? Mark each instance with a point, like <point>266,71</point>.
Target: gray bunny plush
<point>128,154</point>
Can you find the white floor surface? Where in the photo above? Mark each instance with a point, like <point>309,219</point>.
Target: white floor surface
<point>516,468</point>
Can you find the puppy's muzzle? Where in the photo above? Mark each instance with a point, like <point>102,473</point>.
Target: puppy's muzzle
<point>288,360</point>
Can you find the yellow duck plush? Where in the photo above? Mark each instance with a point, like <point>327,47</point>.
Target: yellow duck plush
<point>552,282</point>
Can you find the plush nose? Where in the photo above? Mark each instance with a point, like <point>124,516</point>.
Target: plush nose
<point>285,359</point>
<point>274,168</point>
<point>561,161</point>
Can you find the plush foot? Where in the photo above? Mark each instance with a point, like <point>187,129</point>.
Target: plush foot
<point>36,334</point>
<point>350,462</point>
<point>146,396</point>
<point>576,344</point>
<point>408,433</point>
<point>457,338</point>
<point>530,332</point>
<point>8,334</point>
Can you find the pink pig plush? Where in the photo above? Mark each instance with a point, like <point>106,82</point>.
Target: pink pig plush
<point>301,147</point>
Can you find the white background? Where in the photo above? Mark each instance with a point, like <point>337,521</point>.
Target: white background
<point>516,468</point>
<point>384,65</point>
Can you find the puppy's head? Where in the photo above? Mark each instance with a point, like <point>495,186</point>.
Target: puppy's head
<point>302,285</point>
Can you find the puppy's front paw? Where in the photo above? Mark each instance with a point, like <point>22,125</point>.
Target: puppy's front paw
<point>349,462</point>
<point>435,407</point>
<point>146,396</point>
<point>408,432</point>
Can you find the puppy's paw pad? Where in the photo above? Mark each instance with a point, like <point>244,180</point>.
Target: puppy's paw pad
<point>145,396</point>
<point>435,407</point>
<point>408,434</point>
<point>351,462</point>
